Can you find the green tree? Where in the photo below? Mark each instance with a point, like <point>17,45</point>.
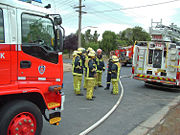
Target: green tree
<point>140,34</point>
<point>109,41</point>
<point>130,35</point>
<point>89,40</point>
<point>93,45</point>
<point>95,36</point>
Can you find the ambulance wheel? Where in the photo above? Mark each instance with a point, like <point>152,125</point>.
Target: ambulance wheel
<point>20,117</point>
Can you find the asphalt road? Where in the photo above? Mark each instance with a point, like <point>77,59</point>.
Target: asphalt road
<point>139,103</point>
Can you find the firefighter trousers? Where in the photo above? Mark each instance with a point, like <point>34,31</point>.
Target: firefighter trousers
<point>115,86</point>
<point>108,82</point>
<point>90,88</point>
<point>99,78</point>
<point>77,84</point>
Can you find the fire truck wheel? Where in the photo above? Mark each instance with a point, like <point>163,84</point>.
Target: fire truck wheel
<point>20,117</point>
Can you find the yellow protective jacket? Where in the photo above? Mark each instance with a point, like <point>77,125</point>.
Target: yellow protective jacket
<point>100,63</point>
<point>78,66</point>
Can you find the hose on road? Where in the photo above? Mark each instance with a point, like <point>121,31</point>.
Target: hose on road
<point>95,125</point>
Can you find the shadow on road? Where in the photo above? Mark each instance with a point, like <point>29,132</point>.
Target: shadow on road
<point>164,88</point>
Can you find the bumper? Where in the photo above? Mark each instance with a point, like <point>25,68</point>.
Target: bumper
<point>155,80</point>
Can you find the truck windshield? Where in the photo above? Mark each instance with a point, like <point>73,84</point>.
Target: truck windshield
<point>38,30</point>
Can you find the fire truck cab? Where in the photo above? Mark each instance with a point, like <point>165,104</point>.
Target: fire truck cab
<point>158,61</point>
<point>125,54</point>
<point>31,68</point>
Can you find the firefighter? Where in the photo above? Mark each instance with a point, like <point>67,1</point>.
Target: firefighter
<point>108,82</point>
<point>85,66</point>
<point>73,60</point>
<point>74,56</point>
<point>90,75</point>
<point>115,72</point>
<point>78,72</point>
<point>100,67</point>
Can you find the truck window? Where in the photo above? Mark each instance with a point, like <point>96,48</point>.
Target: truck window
<point>1,27</point>
<point>37,29</point>
<point>157,58</point>
<point>38,37</point>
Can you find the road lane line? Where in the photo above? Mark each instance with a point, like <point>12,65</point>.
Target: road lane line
<point>85,132</point>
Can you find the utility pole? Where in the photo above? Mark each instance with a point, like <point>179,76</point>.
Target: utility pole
<point>79,30</point>
<point>80,20</point>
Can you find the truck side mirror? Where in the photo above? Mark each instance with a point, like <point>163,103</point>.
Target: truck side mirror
<point>58,20</point>
<point>60,39</point>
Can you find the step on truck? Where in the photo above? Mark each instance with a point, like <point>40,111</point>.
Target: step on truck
<point>158,61</point>
<point>31,68</point>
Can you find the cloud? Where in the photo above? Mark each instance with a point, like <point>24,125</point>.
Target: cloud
<point>143,16</point>
<point>69,30</point>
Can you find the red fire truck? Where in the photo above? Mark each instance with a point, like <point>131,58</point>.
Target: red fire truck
<point>125,54</point>
<point>31,68</point>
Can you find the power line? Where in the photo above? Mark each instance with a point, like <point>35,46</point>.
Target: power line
<point>136,7</point>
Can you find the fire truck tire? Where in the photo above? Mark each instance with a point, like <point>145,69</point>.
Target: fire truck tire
<point>20,116</point>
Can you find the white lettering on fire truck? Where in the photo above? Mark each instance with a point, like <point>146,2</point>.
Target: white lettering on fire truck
<point>2,56</point>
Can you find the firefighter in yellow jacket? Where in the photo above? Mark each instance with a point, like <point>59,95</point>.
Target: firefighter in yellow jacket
<point>100,67</point>
<point>85,65</point>
<point>115,72</point>
<point>78,72</point>
<point>90,75</point>
<point>73,60</point>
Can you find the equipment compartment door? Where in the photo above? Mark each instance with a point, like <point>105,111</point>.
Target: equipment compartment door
<point>141,60</point>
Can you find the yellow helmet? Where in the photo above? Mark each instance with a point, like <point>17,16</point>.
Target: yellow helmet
<point>89,49</point>
<point>92,53</point>
<point>115,58</point>
<point>74,53</point>
<point>80,50</point>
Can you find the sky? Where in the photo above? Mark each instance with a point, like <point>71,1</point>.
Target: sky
<point>115,15</point>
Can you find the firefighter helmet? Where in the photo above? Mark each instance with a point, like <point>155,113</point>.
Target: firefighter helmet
<point>115,58</point>
<point>89,49</point>
<point>74,53</point>
<point>80,50</point>
<point>99,50</point>
<point>91,54</point>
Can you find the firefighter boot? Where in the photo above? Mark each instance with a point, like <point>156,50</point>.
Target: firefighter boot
<point>107,87</point>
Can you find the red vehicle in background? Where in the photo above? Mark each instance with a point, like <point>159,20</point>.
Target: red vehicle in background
<point>125,55</point>
<point>31,68</point>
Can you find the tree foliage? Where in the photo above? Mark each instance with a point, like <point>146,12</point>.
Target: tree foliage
<point>90,40</point>
<point>130,35</point>
<point>71,43</point>
<point>109,41</point>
